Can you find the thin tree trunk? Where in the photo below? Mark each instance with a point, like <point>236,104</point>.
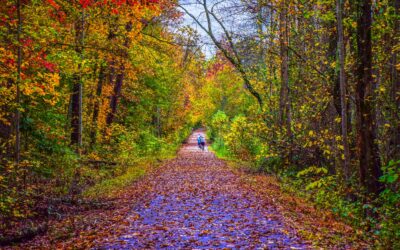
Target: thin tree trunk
<point>284,72</point>
<point>271,61</point>
<point>343,90</point>
<point>18,82</point>
<point>76,136</point>
<point>115,97</point>
<point>158,121</point>
<point>76,98</point>
<point>96,107</point>
<point>6,130</point>
<point>394,142</point>
<point>76,103</point>
<point>284,92</point>
<point>369,162</point>
<point>284,102</point>
<point>261,49</point>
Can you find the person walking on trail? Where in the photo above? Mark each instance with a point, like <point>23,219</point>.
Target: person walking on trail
<point>201,141</point>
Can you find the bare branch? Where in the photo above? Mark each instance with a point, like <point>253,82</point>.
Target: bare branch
<point>234,59</point>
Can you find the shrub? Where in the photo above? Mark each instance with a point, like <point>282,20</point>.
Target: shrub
<point>242,139</point>
<point>389,212</point>
<point>218,125</point>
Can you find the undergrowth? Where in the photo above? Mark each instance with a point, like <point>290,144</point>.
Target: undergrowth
<point>378,218</point>
<point>109,188</point>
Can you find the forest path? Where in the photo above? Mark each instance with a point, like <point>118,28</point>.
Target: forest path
<point>196,201</point>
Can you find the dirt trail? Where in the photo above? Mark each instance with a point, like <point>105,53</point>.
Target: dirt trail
<point>196,201</point>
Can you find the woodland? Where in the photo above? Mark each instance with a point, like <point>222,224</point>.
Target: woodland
<point>96,94</point>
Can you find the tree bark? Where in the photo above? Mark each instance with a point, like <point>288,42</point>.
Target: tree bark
<point>119,78</point>
<point>18,82</point>
<point>343,90</point>
<point>115,97</point>
<point>369,162</point>
<point>76,136</point>
<point>96,107</point>
<point>6,129</point>
<point>394,142</point>
<point>76,97</point>
<point>284,102</point>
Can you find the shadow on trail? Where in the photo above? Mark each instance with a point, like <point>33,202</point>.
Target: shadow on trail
<point>197,202</point>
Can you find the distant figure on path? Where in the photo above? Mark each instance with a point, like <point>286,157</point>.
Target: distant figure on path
<point>201,142</point>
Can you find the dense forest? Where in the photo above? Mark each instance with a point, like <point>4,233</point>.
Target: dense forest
<point>95,91</point>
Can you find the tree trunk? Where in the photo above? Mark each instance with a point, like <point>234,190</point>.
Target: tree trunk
<point>76,136</point>
<point>343,90</point>
<point>18,82</point>
<point>96,107</point>
<point>76,97</point>
<point>369,162</point>
<point>284,102</point>
<point>394,142</point>
<point>6,129</point>
<point>119,78</point>
<point>115,97</point>
<point>284,91</point>
<point>272,66</point>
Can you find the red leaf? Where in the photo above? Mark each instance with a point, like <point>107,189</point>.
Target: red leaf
<point>54,4</point>
<point>85,3</point>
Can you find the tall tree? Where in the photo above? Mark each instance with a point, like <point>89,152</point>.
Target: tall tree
<point>76,97</point>
<point>120,76</point>
<point>394,142</point>
<point>343,89</point>
<point>368,157</point>
<point>284,101</point>
<point>18,82</point>
<point>97,102</point>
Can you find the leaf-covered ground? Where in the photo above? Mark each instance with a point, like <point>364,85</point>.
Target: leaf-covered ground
<point>198,201</point>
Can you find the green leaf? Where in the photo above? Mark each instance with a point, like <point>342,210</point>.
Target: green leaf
<point>392,178</point>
